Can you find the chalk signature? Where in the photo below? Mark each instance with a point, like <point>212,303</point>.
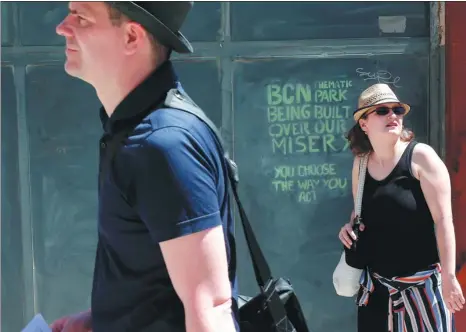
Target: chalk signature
<point>381,76</point>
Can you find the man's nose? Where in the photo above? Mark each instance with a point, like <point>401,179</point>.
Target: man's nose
<point>63,28</point>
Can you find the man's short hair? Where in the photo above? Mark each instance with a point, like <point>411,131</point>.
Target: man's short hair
<point>161,52</point>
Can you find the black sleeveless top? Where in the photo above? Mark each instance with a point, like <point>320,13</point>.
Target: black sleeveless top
<point>399,238</point>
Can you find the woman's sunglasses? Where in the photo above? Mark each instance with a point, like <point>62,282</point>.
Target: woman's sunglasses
<point>384,110</point>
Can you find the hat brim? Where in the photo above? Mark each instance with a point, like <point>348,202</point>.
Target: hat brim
<point>174,40</point>
<point>363,110</point>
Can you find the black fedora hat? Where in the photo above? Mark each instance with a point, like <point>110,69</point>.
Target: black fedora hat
<point>163,19</point>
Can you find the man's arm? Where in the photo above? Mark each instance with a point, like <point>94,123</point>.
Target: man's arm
<point>175,186</point>
<point>198,269</point>
<point>77,322</point>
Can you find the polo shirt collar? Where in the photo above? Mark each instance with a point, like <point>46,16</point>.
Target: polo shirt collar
<point>147,94</point>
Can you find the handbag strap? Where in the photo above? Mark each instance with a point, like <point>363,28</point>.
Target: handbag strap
<point>175,99</point>
<point>361,179</point>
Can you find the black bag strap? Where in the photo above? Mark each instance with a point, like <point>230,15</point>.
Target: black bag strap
<point>175,99</point>
<point>275,308</point>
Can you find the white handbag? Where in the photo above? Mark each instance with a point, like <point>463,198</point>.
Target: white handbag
<point>346,278</point>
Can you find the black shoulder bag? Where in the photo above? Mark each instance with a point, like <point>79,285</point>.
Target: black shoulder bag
<point>276,308</point>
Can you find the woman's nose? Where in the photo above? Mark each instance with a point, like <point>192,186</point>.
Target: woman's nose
<point>391,114</point>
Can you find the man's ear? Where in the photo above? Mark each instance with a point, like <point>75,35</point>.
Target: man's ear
<point>135,35</point>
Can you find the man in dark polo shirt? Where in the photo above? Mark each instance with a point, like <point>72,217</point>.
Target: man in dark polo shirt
<point>165,258</point>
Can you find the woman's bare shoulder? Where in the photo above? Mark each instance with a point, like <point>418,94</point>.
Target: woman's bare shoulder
<point>424,154</point>
<point>426,159</point>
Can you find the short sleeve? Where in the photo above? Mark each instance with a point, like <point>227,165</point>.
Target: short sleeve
<point>174,185</point>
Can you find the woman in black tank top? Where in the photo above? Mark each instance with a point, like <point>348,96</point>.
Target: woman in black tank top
<point>406,244</point>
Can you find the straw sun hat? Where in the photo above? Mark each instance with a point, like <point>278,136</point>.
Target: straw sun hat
<point>375,95</point>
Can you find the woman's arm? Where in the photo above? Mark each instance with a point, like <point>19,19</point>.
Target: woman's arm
<point>354,181</point>
<point>435,184</point>
<point>346,234</point>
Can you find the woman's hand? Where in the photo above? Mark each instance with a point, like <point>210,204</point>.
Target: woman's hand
<point>347,236</point>
<point>452,293</point>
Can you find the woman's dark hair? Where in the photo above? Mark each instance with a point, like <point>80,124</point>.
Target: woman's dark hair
<point>359,142</point>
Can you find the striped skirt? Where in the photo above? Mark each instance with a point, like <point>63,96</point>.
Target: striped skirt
<point>415,302</point>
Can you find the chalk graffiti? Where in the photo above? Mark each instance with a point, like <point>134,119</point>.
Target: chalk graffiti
<point>381,76</point>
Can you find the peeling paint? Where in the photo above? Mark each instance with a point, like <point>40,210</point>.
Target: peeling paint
<point>437,24</point>
<point>441,22</point>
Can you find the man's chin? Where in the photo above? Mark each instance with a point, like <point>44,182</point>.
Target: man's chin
<point>72,70</point>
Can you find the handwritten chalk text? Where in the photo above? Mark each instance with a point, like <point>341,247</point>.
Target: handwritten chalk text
<point>381,76</point>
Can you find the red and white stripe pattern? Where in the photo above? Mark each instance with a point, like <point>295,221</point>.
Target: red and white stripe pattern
<point>416,303</point>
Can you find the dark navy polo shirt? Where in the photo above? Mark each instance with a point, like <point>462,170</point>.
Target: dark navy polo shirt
<point>166,179</point>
